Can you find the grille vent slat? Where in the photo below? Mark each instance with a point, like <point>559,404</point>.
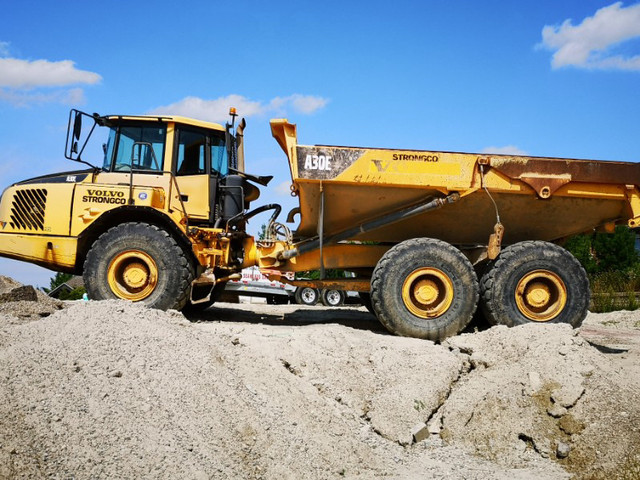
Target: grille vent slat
<point>27,209</point>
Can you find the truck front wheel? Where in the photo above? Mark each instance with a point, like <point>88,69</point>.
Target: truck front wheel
<point>535,282</point>
<point>141,263</point>
<point>424,288</point>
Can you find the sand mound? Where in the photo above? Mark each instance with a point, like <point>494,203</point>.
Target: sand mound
<point>112,389</point>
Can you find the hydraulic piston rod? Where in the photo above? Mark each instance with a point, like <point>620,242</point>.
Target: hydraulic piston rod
<point>379,222</point>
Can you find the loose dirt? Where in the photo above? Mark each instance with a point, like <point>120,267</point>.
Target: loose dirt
<point>116,390</point>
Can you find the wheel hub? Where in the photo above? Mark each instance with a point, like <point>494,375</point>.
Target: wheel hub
<point>132,275</point>
<point>333,297</point>
<point>538,295</point>
<point>135,275</point>
<point>541,295</point>
<point>427,292</point>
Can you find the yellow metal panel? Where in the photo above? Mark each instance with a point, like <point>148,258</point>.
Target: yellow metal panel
<point>167,164</point>
<point>40,208</point>
<point>391,167</point>
<point>91,201</point>
<point>195,192</point>
<point>537,198</point>
<point>49,251</point>
<point>341,256</point>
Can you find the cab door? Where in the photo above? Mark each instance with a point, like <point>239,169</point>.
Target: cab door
<point>192,172</point>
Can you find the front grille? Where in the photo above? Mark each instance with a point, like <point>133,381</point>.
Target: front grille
<point>27,210</point>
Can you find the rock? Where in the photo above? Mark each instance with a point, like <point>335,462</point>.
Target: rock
<point>562,450</point>
<point>534,384</point>
<point>406,439</point>
<point>434,425</point>
<point>7,284</point>
<point>25,292</point>
<point>567,395</point>
<point>420,432</point>
<point>557,411</point>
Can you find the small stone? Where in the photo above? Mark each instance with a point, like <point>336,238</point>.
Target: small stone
<point>115,374</point>
<point>568,395</point>
<point>435,425</point>
<point>562,450</point>
<point>534,384</point>
<point>405,440</point>
<point>420,432</point>
<point>557,411</point>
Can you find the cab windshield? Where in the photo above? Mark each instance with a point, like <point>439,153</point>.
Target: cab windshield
<point>135,147</point>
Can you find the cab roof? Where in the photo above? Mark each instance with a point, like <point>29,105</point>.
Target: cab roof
<point>166,119</point>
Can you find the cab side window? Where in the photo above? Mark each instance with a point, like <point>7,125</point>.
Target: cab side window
<point>191,153</point>
<point>219,158</point>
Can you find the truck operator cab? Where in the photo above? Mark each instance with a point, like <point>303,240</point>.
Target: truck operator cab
<point>202,157</point>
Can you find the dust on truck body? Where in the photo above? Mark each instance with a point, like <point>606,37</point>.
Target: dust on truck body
<point>428,235</point>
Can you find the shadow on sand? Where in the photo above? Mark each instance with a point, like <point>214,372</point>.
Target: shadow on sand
<point>291,315</point>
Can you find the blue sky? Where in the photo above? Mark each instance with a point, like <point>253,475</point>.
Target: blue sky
<point>543,78</point>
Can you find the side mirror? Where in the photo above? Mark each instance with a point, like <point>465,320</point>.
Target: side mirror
<point>76,140</point>
<point>77,125</point>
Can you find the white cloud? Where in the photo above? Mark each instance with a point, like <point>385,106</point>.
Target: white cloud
<point>217,110</point>
<point>25,74</point>
<point>506,150</point>
<point>73,96</point>
<point>26,82</point>
<point>588,44</point>
<point>306,104</point>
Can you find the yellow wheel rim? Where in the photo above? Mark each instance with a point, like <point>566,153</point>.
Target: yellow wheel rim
<point>541,295</point>
<point>132,275</point>
<point>427,292</point>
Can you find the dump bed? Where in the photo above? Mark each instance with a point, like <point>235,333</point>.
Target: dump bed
<point>535,198</point>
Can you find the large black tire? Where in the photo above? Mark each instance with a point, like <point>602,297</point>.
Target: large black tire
<point>332,298</point>
<point>307,295</point>
<point>138,262</point>
<point>535,282</point>
<point>424,288</point>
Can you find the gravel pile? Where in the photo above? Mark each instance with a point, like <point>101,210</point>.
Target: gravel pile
<point>115,390</point>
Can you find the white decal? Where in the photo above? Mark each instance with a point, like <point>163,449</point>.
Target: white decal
<point>317,162</point>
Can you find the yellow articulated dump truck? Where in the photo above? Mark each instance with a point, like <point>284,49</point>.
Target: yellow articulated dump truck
<point>160,215</point>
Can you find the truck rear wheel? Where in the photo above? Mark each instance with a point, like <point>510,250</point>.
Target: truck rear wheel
<point>141,263</point>
<point>424,288</point>
<point>535,281</point>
